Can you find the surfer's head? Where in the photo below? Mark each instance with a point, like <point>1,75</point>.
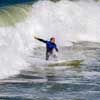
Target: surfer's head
<point>52,39</point>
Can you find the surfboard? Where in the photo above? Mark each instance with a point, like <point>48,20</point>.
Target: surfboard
<point>75,63</point>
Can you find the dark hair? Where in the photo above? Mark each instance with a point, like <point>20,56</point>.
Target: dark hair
<point>52,38</point>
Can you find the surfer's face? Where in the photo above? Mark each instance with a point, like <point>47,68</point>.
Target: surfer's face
<point>52,40</point>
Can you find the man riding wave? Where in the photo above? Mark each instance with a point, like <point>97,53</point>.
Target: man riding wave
<point>50,46</point>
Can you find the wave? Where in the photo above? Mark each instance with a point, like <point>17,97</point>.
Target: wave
<point>67,21</point>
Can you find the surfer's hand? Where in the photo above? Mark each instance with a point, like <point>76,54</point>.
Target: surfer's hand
<point>35,37</point>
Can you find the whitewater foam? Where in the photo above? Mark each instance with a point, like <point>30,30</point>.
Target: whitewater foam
<point>67,21</point>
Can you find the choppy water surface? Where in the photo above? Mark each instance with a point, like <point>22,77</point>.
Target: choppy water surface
<point>40,82</point>
<point>25,75</point>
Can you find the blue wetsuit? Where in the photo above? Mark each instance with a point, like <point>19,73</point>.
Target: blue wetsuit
<point>49,47</point>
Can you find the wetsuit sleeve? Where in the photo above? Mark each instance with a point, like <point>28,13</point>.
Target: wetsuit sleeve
<point>41,40</point>
<point>56,48</point>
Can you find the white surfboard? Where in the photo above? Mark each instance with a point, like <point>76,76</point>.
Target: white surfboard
<point>74,63</point>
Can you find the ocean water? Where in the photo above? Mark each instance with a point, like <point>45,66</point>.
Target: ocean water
<point>40,82</point>
<point>24,73</point>
<point>14,2</point>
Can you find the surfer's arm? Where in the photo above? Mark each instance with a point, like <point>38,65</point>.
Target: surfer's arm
<point>56,48</point>
<point>44,41</point>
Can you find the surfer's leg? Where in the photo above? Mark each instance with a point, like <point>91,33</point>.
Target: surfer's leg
<point>47,55</point>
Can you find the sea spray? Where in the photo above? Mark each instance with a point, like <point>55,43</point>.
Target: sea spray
<point>66,20</point>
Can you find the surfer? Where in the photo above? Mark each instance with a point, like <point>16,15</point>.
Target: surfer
<point>50,46</point>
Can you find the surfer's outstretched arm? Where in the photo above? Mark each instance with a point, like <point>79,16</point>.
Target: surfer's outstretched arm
<point>41,40</point>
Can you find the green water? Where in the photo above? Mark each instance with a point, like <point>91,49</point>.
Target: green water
<point>10,15</point>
